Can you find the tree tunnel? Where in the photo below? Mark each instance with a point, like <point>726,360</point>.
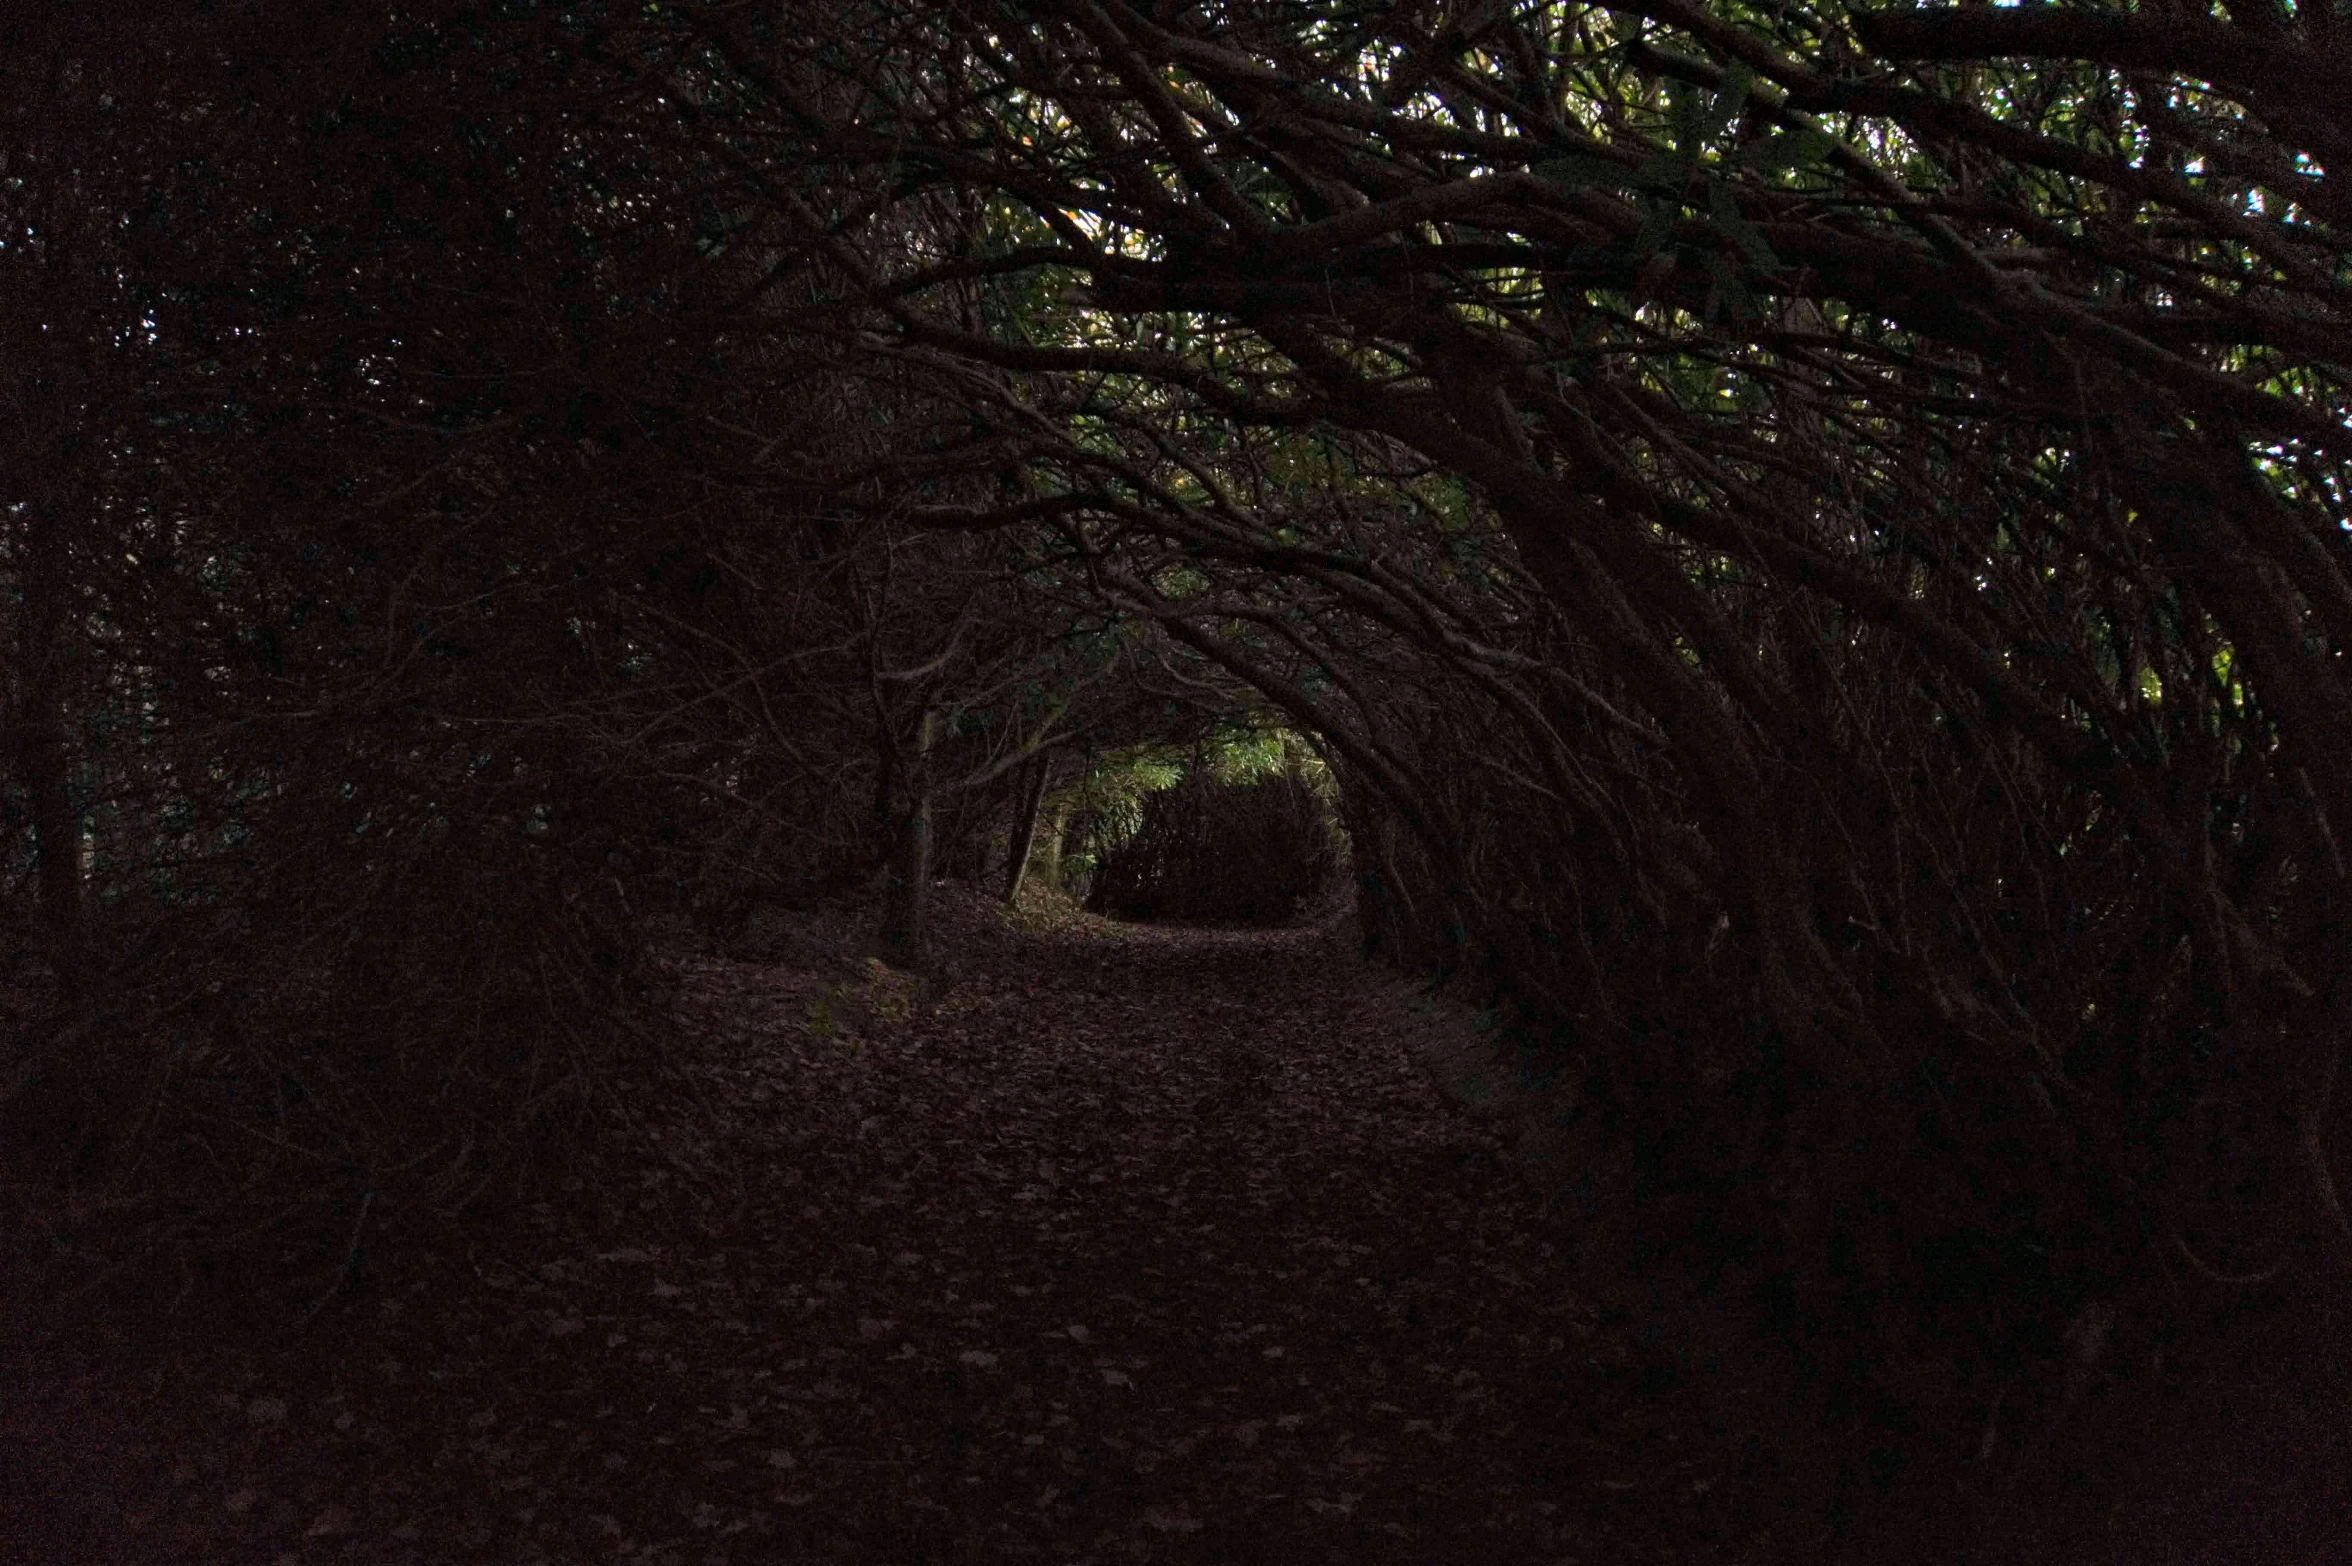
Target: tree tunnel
<point>1811,545</point>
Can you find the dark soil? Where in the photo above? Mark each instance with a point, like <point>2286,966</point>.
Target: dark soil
<point>1120,1244</point>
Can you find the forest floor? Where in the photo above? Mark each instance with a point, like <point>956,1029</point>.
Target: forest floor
<point>1122,1244</point>
<point>1116,1244</point>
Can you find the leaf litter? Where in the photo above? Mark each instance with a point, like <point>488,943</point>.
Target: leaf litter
<point>1112,1243</point>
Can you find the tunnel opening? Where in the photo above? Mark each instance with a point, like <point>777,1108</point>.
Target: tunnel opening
<point>1225,846</point>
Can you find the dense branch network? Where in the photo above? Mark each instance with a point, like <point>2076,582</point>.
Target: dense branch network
<point>1906,447</point>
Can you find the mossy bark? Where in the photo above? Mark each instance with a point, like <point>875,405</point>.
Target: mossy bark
<point>1024,838</point>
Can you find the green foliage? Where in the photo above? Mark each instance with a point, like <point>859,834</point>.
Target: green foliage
<point>1107,805</point>
<point>1256,850</point>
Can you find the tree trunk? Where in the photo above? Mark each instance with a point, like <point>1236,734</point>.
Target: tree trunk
<point>1045,855</point>
<point>1024,839</point>
<point>43,761</point>
<point>906,922</point>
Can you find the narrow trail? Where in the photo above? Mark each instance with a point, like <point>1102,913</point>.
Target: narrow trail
<point>1133,1245</point>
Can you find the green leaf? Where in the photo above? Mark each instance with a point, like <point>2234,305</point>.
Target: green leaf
<point>1804,147</point>
<point>1744,235</point>
<point>1576,171</point>
<point>1656,225</point>
<point>1667,171</point>
<point>1738,80</point>
<point>1729,290</point>
<point>1686,117</point>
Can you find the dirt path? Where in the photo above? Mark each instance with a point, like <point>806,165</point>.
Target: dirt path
<point>1134,1245</point>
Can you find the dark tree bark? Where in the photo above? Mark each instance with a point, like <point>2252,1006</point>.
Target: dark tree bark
<point>1046,852</point>
<point>1024,839</point>
<point>906,915</point>
<point>42,757</point>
